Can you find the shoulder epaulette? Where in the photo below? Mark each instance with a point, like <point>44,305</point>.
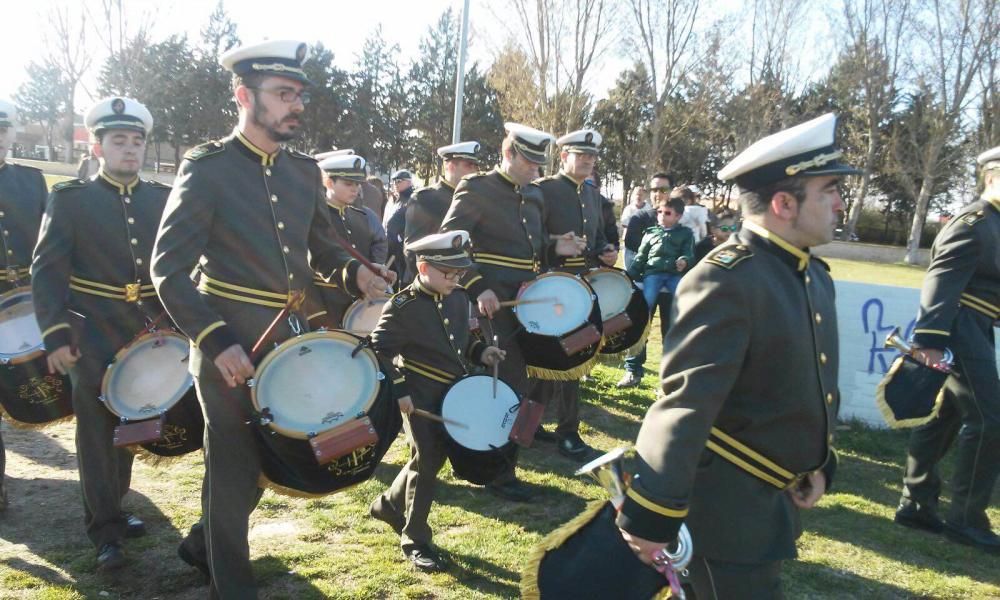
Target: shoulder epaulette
<point>27,167</point>
<point>203,150</point>
<point>301,155</point>
<point>355,208</point>
<point>403,297</point>
<point>973,217</point>
<point>475,175</point>
<point>72,183</point>
<point>729,256</point>
<point>156,183</point>
<point>825,264</point>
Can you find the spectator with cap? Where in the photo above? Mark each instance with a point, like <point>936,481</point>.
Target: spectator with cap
<point>394,220</point>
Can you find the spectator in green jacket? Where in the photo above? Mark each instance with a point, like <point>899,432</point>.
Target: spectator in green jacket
<point>666,251</point>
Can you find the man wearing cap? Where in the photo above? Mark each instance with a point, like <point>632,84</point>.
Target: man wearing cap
<point>251,215</point>
<point>342,178</point>
<point>395,222</point>
<point>92,259</point>
<point>426,326</point>
<point>573,207</point>
<point>22,202</point>
<point>503,211</point>
<point>743,435</point>
<point>428,205</point>
<point>959,307</point>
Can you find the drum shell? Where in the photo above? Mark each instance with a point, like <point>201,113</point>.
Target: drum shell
<point>184,430</point>
<point>544,352</point>
<point>31,396</point>
<point>638,313</point>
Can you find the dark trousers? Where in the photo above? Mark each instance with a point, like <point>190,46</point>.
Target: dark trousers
<point>230,490</point>
<point>407,502</point>
<point>970,414</point>
<point>634,364</point>
<point>3,457</point>
<point>105,471</point>
<point>562,397</point>
<point>719,580</point>
<point>513,369</point>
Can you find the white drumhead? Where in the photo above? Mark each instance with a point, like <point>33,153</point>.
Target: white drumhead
<point>362,316</point>
<point>488,419</point>
<point>613,289</point>
<point>312,383</point>
<point>19,333</point>
<point>565,304</point>
<point>148,376</point>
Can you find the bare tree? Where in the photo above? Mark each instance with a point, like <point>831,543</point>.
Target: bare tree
<point>68,52</point>
<point>876,29</point>
<point>125,40</point>
<point>958,37</point>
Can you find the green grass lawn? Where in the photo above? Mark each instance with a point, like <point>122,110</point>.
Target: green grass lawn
<point>880,273</point>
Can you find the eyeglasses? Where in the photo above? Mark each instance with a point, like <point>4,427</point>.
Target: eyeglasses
<point>451,274</point>
<point>665,212</point>
<point>730,228</point>
<point>287,95</point>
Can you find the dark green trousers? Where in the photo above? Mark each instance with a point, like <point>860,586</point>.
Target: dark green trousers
<point>719,580</point>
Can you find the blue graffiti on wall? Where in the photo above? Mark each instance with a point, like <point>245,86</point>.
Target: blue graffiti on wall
<point>879,357</point>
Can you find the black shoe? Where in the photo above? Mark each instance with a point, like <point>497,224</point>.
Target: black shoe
<point>983,539</point>
<point>422,557</point>
<point>191,558</point>
<point>913,515</point>
<point>110,557</point>
<point>573,447</point>
<point>135,528</point>
<point>395,523</point>
<point>514,490</point>
<point>543,435</point>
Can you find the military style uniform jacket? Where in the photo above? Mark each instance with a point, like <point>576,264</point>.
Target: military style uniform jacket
<point>964,274</point>
<point>660,249</point>
<point>505,225</point>
<point>576,207</point>
<point>257,227</point>
<point>750,405</point>
<point>22,203</point>
<point>424,214</point>
<point>355,226</point>
<point>430,332</point>
<point>93,258</point>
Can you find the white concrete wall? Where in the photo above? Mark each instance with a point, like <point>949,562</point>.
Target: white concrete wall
<point>866,313</point>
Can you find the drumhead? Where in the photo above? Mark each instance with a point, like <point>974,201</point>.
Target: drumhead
<point>488,420</point>
<point>148,376</point>
<point>311,383</point>
<point>613,289</point>
<point>566,302</point>
<point>361,317</point>
<point>19,333</point>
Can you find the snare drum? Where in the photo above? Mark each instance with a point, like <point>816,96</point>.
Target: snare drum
<point>308,385</point>
<point>362,316</point>
<point>150,377</point>
<point>623,309</point>
<point>560,323</point>
<point>29,395</point>
<point>481,450</point>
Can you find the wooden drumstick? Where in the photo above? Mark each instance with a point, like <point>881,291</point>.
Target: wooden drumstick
<point>552,301</point>
<point>496,367</point>
<point>438,418</point>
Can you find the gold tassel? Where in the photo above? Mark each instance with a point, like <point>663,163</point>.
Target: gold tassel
<point>615,359</point>
<point>883,405</point>
<point>556,538</point>
<point>277,488</point>
<point>570,375</point>
<point>32,426</point>
<point>153,459</point>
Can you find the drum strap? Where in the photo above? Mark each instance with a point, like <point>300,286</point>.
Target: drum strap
<point>425,370</point>
<point>96,288</point>
<point>979,305</point>
<point>749,460</point>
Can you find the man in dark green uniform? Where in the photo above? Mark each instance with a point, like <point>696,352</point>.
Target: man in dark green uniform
<point>252,216</point>
<point>503,212</point>
<point>343,175</point>
<point>959,307</point>
<point>574,207</point>
<point>92,258</point>
<point>22,202</point>
<point>427,326</point>
<point>742,438</point>
<point>428,205</point>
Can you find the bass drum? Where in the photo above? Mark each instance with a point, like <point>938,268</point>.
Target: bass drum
<point>478,443</point>
<point>308,385</point>
<point>150,377</point>
<point>29,394</point>
<point>623,309</point>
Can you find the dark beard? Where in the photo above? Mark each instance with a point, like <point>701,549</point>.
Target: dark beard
<point>274,134</point>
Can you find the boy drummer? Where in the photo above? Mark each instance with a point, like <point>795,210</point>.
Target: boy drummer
<point>427,326</point>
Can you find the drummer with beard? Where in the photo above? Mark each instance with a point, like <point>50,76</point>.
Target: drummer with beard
<point>573,207</point>
<point>22,202</point>
<point>343,175</point>
<point>503,211</point>
<point>92,259</point>
<point>426,326</point>
<point>251,215</point>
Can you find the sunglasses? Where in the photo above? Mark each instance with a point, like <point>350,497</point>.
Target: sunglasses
<point>660,189</point>
<point>730,228</point>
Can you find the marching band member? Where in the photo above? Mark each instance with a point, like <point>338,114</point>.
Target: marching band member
<point>427,324</point>
<point>252,216</point>
<point>22,202</point>
<point>743,436</point>
<point>93,258</point>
